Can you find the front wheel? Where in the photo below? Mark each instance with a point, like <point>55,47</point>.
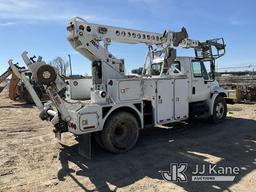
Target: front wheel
<point>219,110</point>
<point>120,132</point>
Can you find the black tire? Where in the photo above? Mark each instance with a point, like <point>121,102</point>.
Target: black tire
<point>120,133</point>
<point>219,110</point>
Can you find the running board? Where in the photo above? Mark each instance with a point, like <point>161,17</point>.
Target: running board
<point>164,127</point>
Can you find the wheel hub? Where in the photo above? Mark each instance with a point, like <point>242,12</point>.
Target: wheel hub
<point>220,110</point>
<point>121,136</point>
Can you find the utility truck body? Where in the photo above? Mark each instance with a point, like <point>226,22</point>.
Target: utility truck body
<point>154,100</point>
<point>165,90</point>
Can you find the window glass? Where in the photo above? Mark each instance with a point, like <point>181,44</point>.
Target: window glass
<point>204,72</point>
<point>175,67</point>
<point>196,65</point>
<point>207,65</point>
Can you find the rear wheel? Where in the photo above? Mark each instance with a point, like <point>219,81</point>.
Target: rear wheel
<point>219,110</point>
<point>120,132</point>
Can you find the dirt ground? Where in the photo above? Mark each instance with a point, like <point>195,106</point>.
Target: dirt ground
<point>32,160</point>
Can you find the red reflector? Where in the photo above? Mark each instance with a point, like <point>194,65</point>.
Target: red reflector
<point>72,125</point>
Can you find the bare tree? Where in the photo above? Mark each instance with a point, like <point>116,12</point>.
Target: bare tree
<point>61,65</point>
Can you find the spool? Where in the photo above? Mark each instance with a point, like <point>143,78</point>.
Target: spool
<point>46,74</point>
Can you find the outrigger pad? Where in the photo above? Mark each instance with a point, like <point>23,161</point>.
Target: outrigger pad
<point>84,145</point>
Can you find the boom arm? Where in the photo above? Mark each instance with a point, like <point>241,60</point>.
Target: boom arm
<point>86,37</point>
<point>81,30</point>
<point>124,35</point>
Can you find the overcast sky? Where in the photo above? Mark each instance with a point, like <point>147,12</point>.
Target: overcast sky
<point>40,27</point>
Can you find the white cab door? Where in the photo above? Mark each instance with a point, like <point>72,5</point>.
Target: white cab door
<point>200,86</point>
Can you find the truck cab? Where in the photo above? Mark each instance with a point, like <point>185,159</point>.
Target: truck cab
<point>202,86</point>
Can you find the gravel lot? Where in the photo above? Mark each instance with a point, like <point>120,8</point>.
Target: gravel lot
<point>32,160</point>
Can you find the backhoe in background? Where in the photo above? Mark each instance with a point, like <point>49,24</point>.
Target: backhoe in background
<point>16,89</point>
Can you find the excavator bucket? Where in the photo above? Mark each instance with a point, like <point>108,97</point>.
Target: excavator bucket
<point>13,83</point>
<point>13,87</point>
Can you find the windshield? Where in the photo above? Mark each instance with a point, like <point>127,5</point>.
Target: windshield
<point>202,69</point>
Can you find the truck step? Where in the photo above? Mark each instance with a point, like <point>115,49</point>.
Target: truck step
<point>149,125</point>
<point>164,126</point>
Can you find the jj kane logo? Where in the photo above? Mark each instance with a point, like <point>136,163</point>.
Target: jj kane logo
<point>204,172</point>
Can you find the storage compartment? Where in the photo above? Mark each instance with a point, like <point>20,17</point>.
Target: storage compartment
<point>124,90</point>
<point>80,89</point>
<point>181,99</point>
<point>129,90</point>
<point>164,101</point>
<point>172,100</point>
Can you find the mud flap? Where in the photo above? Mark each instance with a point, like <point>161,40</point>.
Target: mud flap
<point>84,145</point>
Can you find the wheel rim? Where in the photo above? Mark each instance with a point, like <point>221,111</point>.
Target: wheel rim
<point>121,136</point>
<point>220,110</point>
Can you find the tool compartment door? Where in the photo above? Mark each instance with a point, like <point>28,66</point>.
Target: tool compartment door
<point>80,89</point>
<point>181,99</point>
<point>129,90</point>
<point>164,101</point>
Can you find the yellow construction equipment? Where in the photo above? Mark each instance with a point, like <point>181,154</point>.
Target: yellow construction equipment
<point>17,90</point>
